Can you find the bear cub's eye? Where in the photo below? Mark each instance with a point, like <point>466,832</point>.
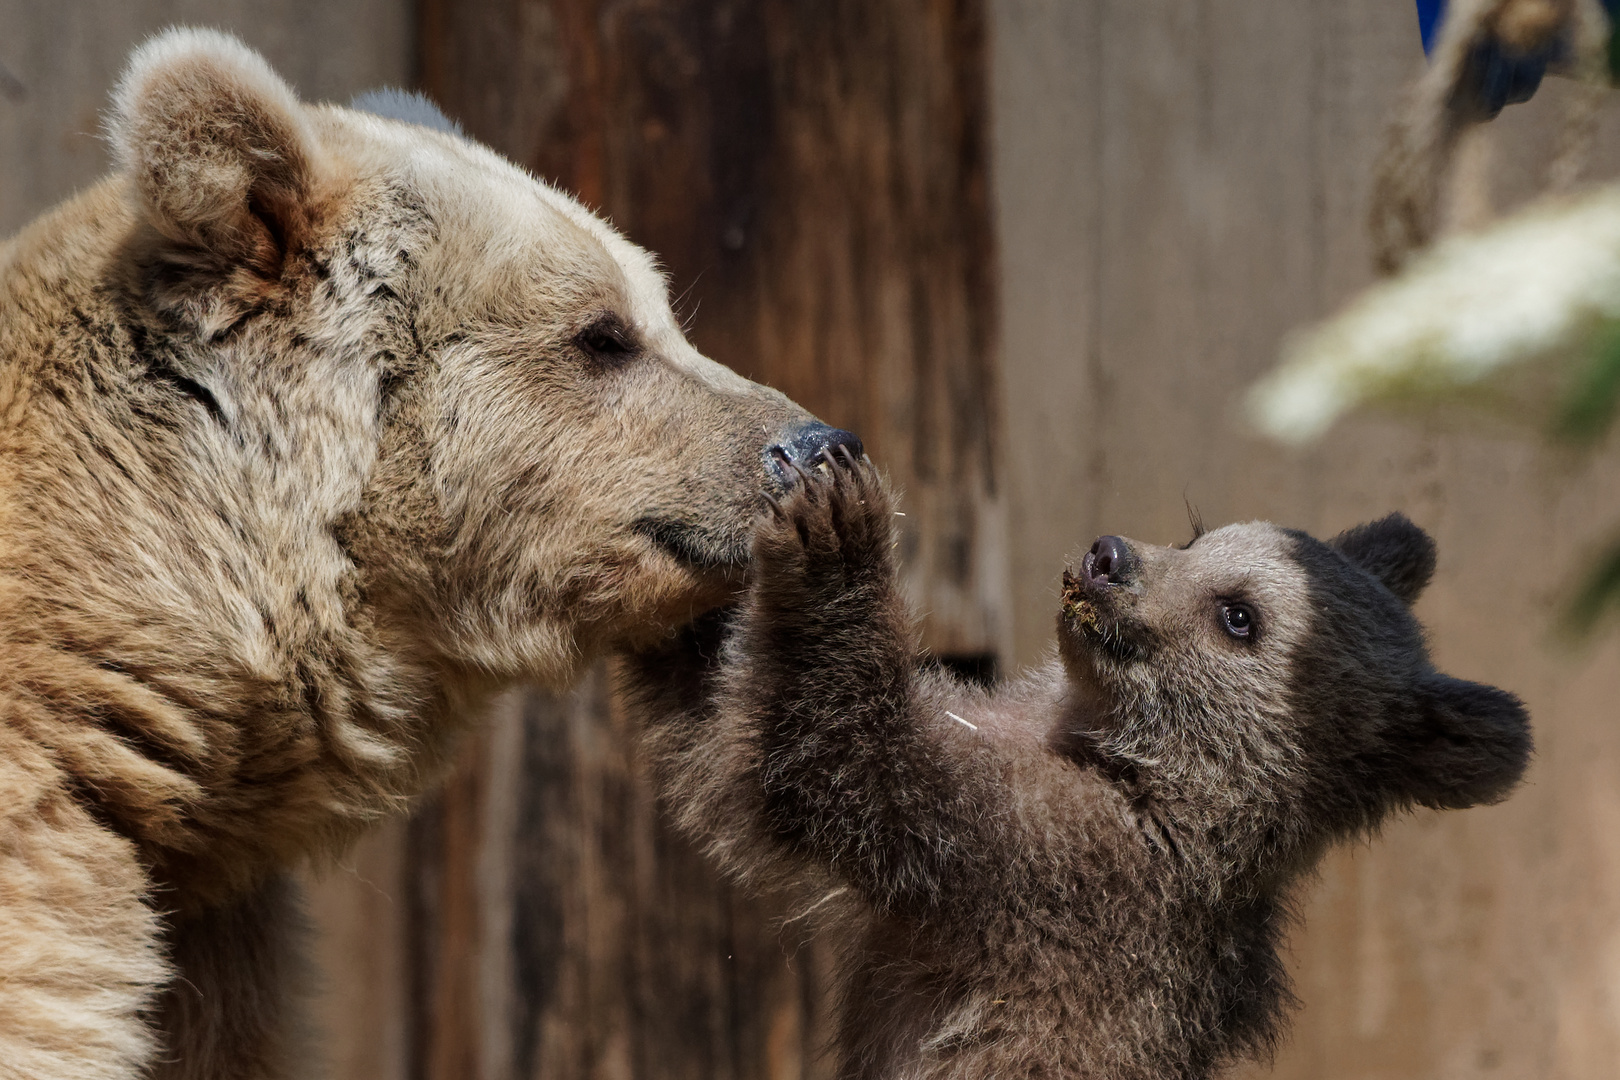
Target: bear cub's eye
<point>607,341</point>
<point>1238,619</point>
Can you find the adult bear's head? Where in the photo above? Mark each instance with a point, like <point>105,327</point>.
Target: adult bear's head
<point>468,386</point>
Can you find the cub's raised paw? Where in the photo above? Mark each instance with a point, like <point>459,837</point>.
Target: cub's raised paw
<point>836,524</point>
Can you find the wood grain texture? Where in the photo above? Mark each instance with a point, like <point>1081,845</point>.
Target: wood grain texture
<point>813,176</point>
<point>558,928</point>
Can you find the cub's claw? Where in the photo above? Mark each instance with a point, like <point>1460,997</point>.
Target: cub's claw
<point>833,528</point>
<point>807,481</point>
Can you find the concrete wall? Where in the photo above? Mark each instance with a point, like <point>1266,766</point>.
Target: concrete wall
<point>1179,183</point>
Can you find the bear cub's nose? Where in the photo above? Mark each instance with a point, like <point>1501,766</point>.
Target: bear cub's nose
<point>1108,561</point>
<point>804,446</point>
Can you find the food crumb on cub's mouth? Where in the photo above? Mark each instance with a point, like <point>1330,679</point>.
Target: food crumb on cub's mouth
<point>1075,605</point>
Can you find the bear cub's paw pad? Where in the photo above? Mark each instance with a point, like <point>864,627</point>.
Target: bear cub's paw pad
<point>837,515</point>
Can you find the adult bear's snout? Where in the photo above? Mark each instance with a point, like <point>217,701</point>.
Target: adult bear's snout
<point>804,445</point>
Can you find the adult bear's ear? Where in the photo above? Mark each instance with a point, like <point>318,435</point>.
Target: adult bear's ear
<point>1469,743</point>
<point>1393,550</point>
<point>218,149</point>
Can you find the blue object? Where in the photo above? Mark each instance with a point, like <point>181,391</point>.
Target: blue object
<point>1430,12</point>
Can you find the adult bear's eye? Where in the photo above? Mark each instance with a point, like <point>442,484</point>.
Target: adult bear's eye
<point>1238,619</point>
<point>607,341</point>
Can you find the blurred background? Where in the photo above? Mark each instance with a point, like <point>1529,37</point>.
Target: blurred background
<point>1035,251</point>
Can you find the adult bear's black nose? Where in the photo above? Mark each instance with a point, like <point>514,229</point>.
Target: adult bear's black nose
<point>803,446</point>
<point>1108,562</point>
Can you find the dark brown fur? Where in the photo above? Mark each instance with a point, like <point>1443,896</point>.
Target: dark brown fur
<point>1085,873</point>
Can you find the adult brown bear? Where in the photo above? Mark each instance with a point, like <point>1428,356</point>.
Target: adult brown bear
<point>315,429</point>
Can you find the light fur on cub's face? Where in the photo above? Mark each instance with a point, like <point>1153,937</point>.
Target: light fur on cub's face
<point>534,461</point>
<point>1261,651</point>
<point>1158,649</point>
<point>1166,618</point>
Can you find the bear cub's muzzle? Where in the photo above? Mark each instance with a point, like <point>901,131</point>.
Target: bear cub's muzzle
<point>1091,615</point>
<point>1109,562</point>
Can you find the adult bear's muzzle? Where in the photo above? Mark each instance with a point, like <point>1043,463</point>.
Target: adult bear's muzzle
<point>804,445</point>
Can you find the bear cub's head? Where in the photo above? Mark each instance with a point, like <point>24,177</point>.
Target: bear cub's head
<point>1256,667</point>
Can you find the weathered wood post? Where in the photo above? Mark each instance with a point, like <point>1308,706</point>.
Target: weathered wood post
<point>813,174</point>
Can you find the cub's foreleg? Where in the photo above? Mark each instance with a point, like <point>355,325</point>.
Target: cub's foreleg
<point>823,671</point>
<point>797,731</point>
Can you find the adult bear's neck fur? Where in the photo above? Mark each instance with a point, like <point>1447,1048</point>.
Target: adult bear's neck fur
<point>183,627</point>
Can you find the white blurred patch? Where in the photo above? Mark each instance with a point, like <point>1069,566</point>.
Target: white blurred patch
<point>1529,289</point>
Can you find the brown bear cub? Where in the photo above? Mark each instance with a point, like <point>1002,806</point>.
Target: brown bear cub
<point>1085,873</point>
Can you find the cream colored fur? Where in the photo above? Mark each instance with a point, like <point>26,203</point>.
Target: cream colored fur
<point>314,432</point>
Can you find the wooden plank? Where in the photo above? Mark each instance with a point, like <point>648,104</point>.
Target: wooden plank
<point>813,176</point>
<point>359,908</point>
<point>607,948</point>
<point>1047,92</point>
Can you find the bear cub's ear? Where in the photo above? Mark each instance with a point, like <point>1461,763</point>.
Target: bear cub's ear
<point>1469,746</point>
<point>1394,551</point>
<point>217,147</point>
